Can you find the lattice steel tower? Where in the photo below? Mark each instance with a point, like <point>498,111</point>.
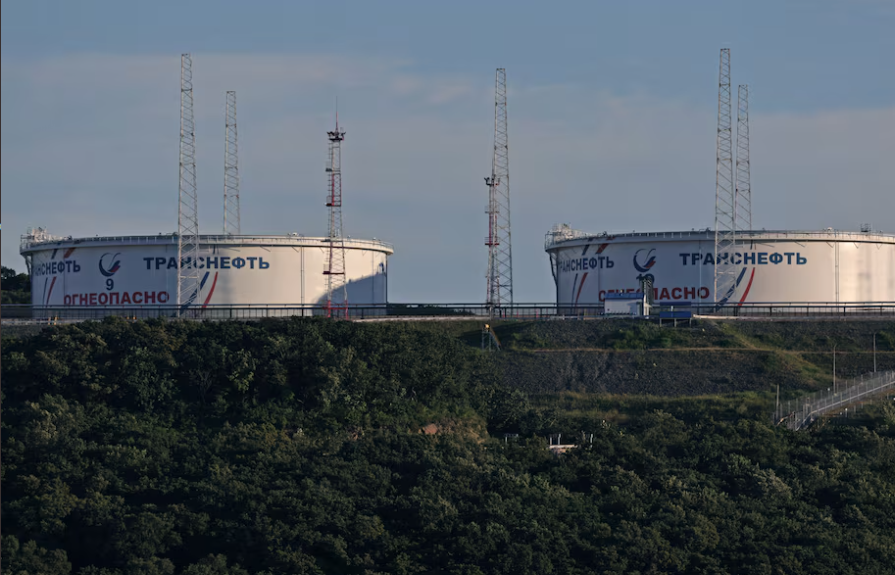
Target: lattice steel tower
<point>188,208</point>
<point>336,287</point>
<point>725,210</point>
<point>500,252</point>
<point>231,168</point>
<point>743,198</point>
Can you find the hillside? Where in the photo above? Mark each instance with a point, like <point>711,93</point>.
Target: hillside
<point>635,357</point>
<point>308,446</point>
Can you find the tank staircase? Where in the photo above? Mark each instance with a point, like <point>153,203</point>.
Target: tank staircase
<point>798,414</point>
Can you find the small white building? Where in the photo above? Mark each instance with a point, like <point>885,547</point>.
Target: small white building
<point>623,304</point>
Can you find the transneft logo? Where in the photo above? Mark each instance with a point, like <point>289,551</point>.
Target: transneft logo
<point>223,263</point>
<point>745,259</point>
<point>585,264</point>
<point>53,268</point>
<point>114,267</point>
<point>648,262</point>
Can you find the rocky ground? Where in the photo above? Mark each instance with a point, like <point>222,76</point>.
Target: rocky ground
<point>706,358</point>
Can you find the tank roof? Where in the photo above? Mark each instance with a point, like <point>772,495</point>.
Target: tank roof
<point>38,239</point>
<point>565,235</point>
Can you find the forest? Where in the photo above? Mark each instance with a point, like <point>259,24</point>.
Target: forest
<point>16,287</point>
<point>314,446</point>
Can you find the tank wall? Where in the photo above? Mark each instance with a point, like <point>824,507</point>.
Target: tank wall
<point>230,275</point>
<point>768,271</point>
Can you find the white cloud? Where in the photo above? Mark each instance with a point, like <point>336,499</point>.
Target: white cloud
<point>90,146</point>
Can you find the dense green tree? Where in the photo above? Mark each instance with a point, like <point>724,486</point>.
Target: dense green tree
<point>16,287</point>
<point>29,558</point>
<point>310,446</point>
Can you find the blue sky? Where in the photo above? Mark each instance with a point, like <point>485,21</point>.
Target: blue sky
<point>611,119</point>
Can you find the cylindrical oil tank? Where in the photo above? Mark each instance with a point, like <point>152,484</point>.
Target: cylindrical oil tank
<point>765,266</point>
<point>233,270</point>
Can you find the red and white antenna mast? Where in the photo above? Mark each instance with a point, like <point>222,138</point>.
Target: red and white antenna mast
<point>336,286</point>
<point>500,253</point>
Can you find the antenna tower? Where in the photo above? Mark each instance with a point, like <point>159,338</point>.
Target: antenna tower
<point>743,187</point>
<point>231,168</point>
<point>336,288</point>
<point>725,210</point>
<point>500,253</point>
<point>188,209</point>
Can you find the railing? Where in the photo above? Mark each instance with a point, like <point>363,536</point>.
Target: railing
<point>524,311</point>
<point>796,309</point>
<point>560,236</point>
<point>799,413</point>
<point>37,241</point>
<point>29,313</point>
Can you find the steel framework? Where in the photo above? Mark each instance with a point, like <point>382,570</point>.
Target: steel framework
<point>336,288</point>
<point>725,210</point>
<point>231,168</point>
<point>783,311</point>
<point>188,208</point>
<point>500,252</point>
<point>743,199</point>
<point>799,413</point>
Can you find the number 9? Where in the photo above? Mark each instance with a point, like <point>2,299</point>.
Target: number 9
<point>109,284</point>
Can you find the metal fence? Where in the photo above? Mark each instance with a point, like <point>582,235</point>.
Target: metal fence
<point>30,313</point>
<point>799,413</point>
<point>798,309</point>
<point>524,311</point>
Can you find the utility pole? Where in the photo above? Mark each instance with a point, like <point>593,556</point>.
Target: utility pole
<point>188,285</point>
<point>778,400</point>
<point>834,370</point>
<point>874,353</point>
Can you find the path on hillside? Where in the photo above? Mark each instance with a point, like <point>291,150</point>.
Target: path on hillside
<point>799,413</point>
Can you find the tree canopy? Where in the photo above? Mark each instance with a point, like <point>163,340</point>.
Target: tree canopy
<point>16,287</point>
<point>313,446</point>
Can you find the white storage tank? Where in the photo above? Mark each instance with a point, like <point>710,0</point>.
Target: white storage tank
<point>234,270</point>
<point>771,266</point>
